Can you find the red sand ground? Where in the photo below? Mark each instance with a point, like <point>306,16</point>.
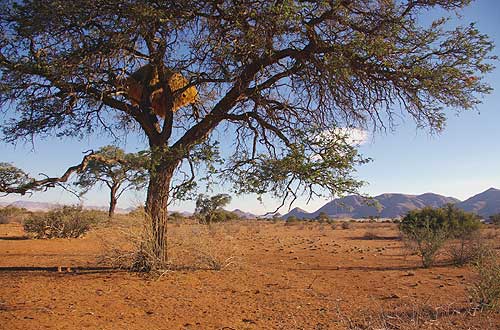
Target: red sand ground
<point>281,277</point>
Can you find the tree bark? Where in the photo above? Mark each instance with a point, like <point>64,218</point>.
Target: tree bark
<point>156,204</point>
<point>112,201</point>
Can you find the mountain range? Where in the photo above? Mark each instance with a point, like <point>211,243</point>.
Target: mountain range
<point>395,205</point>
<point>354,206</point>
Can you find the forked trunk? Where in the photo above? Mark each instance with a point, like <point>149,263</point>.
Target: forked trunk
<point>156,207</point>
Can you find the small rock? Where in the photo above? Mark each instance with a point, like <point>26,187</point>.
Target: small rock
<point>249,321</point>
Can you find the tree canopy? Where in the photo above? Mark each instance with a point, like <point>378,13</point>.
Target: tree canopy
<point>207,207</point>
<point>282,71</point>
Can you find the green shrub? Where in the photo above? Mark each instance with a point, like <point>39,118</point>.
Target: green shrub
<point>291,220</point>
<point>10,214</point>
<point>461,224</point>
<point>224,216</point>
<point>64,222</point>
<point>464,229</point>
<point>428,229</point>
<point>210,208</point>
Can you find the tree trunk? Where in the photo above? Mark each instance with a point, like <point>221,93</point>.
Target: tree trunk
<point>112,201</point>
<point>156,205</point>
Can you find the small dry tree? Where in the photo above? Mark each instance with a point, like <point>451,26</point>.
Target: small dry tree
<point>485,291</point>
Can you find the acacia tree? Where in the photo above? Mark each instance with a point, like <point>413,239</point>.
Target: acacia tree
<point>11,178</point>
<point>206,206</point>
<point>284,78</point>
<point>118,170</point>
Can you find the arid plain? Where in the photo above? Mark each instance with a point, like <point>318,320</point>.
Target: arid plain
<point>271,276</point>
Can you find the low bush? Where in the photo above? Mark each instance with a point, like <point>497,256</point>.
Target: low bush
<point>464,229</point>
<point>224,216</point>
<point>323,217</point>
<point>427,230</point>
<point>346,225</point>
<point>210,209</point>
<point>64,222</point>
<point>291,220</point>
<point>495,219</point>
<point>12,214</point>
<point>485,292</point>
<point>372,234</point>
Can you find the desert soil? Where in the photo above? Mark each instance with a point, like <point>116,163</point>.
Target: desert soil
<point>305,276</point>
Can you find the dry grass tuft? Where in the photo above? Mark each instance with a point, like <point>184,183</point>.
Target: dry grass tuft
<point>485,291</point>
<point>409,316</point>
<point>191,246</point>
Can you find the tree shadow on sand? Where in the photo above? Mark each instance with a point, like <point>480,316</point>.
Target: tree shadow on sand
<point>61,269</point>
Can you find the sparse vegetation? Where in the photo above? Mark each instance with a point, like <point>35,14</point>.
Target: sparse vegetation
<point>248,256</point>
<point>286,78</point>
<point>346,225</point>
<point>485,292</point>
<point>12,214</point>
<point>323,217</point>
<point>466,243</point>
<point>427,230</point>
<point>191,246</point>
<point>64,222</point>
<point>464,251</point>
<point>291,220</point>
<point>371,234</point>
<point>495,219</point>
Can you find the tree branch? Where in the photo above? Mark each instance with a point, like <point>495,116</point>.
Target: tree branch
<point>35,185</point>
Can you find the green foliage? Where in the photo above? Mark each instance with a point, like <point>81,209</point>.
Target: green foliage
<point>429,228</point>
<point>462,225</point>
<point>464,231</point>
<point>114,168</point>
<point>316,159</point>
<point>12,177</point>
<point>209,209</point>
<point>224,216</point>
<point>64,222</point>
<point>10,214</point>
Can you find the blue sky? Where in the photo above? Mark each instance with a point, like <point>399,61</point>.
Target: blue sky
<point>461,161</point>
